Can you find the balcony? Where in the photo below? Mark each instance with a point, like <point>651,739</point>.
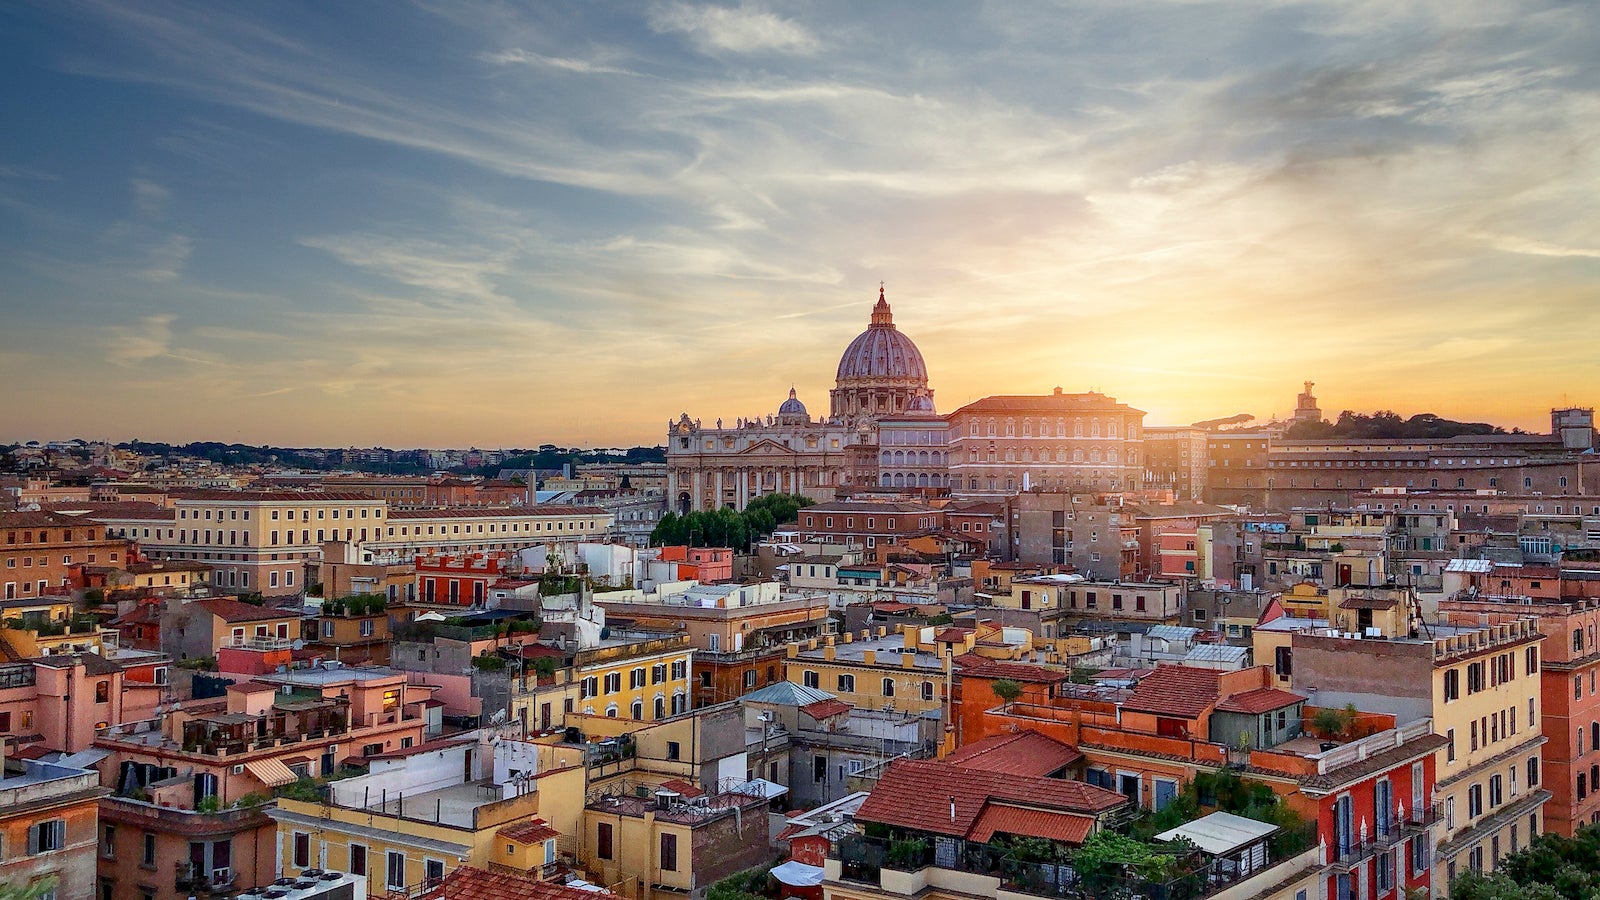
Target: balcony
<point>1382,837</point>
<point>258,643</point>
<point>195,880</point>
<point>908,866</point>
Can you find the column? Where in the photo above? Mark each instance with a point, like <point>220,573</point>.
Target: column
<point>672,489</point>
<point>739,491</point>
<point>699,485</point>
<point>717,504</point>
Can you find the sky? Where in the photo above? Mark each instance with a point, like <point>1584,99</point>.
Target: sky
<point>451,224</point>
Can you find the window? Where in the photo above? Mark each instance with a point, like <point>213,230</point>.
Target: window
<point>367,627</point>
<point>1450,748</point>
<point>847,684</point>
<point>432,871</point>
<point>1281,662</point>
<point>1452,685</point>
<point>302,850</point>
<point>669,852</point>
<point>613,682</point>
<point>809,678</point>
<point>1475,799</point>
<point>674,750</point>
<point>1533,771</point>
<point>749,678</point>
<point>149,857</point>
<point>602,840</point>
<point>395,870</point>
<point>888,687</point>
<point>1496,791</point>
<point>108,841</point>
<point>358,859</point>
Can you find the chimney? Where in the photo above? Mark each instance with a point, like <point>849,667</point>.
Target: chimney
<point>911,637</point>
<point>827,652</point>
<point>847,636</point>
<point>908,660</point>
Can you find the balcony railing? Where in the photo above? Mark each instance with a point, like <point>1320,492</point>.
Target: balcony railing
<point>1383,836</point>
<point>196,880</point>
<point>258,643</point>
<point>1197,875</point>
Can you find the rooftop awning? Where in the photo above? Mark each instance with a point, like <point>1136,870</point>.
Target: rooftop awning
<point>760,787</point>
<point>1220,833</point>
<point>798,874</point>
<point>271,772</point>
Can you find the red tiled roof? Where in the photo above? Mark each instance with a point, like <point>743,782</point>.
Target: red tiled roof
<point>1031,823</point>
<point>472,883</point>
<point>531,831</point>
<point>975,666</point>
<point>822,709</point>
<point>1023,753</point>
<point>678,785</point>
<point>904,796</point>
<point>1259,701</point>
<point>237,611</point>
<point>952,635</point>
<point>889,606</point>
<point>1183,691</point>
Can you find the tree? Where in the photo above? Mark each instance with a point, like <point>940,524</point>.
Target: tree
<point>1006,690</point>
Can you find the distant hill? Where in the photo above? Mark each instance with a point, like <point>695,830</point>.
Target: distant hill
<point>1388,425</point>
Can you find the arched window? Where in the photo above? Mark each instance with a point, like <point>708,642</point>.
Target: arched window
<point>927,690</point>
<point>637,710</point>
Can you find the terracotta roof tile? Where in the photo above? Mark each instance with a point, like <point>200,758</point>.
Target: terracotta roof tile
<point>529,832</point>
<point>1259,701</point>
<point>1030,823</point>
<point>238,611</point>
<point>1023,753</point>
<point>1183,691</point>
<point>823,709</point>
<point>975,666</point>
<point>903,797</point>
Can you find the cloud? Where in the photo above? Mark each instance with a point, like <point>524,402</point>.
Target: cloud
<point>167,258</point>
<point>149,199</point>
<point>151,338</point>
<point>559,63</point>
<point>742,29</point>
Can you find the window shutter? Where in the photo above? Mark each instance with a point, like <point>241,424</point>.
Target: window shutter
<point>33,839</point>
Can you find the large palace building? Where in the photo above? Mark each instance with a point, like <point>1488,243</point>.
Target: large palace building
<point>883,433</point>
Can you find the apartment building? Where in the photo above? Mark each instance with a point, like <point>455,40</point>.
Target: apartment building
<point>639,678</point>
<point>423,812</point>
<point>1175,460</point>
<point>740,632</point>
<point>1481,685</point>
<point>857,524</point>
<point>40,550</point>
<point>1097,536</point>
<point>48,826</point>
<point>879,670</point>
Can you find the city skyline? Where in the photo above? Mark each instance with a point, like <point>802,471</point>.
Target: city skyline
<point>479,227</point>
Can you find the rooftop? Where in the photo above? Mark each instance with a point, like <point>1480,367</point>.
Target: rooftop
<point>1183,691</point>
<point>1024,753</point>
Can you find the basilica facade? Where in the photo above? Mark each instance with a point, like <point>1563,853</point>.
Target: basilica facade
<point>882,433</point>
<point>881,377</point>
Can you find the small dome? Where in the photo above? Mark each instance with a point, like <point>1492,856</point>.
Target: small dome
<point>792,407</point>
<point>921,403</point>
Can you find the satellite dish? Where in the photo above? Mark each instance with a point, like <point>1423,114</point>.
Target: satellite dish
<point>297,644</point>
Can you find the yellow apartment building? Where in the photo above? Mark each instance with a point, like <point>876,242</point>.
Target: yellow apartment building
<point>879,671</point>
<point>422,812</point>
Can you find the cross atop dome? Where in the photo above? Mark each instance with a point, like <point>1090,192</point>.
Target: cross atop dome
<point>880,312</point>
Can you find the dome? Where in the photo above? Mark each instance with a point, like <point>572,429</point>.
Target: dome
<point>882,352</point>
<point>921,403</point>
<point>792,406</point>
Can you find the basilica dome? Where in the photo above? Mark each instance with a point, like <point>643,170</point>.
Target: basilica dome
<point>881,352</point>
<point>880,373</point>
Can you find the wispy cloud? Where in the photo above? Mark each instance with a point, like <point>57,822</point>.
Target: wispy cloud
<point>741,29</point>
<point>558,63</point>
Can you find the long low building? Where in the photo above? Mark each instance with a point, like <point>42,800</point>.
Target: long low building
<point>263,540</point>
